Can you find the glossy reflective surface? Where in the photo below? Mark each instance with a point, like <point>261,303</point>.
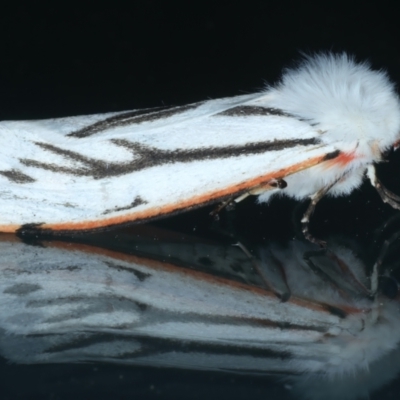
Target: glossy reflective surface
<point>152,296</point>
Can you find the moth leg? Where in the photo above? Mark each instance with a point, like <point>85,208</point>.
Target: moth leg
<point>386,195</point>
<point>305,221</point>
<point>214,213</point>
<point>273,184</point>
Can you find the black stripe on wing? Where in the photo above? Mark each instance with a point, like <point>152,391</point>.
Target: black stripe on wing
<point>244,111</point>
<point>17,176</point>
<point>147,156</point>
<point>131,118</point>
<point>154,114</point>
<point>137,201</point>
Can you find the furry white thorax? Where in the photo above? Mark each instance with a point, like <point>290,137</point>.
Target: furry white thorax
<point>354,107</point>
<point>348,101</point>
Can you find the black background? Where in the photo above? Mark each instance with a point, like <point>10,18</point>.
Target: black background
<point>64,59</point>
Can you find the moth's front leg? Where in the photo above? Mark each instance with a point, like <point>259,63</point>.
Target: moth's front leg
<point>270,185</point>
<point>305,221</point>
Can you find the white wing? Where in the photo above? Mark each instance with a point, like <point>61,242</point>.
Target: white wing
<point>92,171</point>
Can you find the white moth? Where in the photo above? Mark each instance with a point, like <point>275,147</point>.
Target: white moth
<point>318,131</point>
<point>202,307</point>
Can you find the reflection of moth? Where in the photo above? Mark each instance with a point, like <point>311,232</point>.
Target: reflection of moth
<point>197,306</point>
<point>318,131</point>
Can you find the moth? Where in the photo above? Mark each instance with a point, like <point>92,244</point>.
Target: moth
<point>199,305</point>
<point>318,131</point>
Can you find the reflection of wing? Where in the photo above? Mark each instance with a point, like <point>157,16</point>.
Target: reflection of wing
<point>317,132</point>
<point>69,302</point>
<point>139,165</point>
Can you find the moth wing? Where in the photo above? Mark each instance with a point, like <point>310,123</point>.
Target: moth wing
<point>92,171</point>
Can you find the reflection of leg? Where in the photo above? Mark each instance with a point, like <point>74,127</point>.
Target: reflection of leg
<point>389,225</point>
<point>393,200</point>
<point>386,249</point>
<point>283,295</point>
<point>377,272</point>
<point>340,276</point>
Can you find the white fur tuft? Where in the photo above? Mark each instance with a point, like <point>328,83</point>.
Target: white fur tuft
<point>346,100</point>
